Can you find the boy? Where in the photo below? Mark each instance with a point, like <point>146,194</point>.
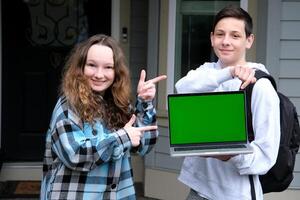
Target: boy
<point>227,177</point>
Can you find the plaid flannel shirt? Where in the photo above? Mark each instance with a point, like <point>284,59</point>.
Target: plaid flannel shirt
<point>84,161</point>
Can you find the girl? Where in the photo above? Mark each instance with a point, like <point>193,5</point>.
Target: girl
<point>94,127</point>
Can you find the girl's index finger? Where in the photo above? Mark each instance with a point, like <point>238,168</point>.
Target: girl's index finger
<point>146,128</point>
<point>157,79</point>
<point>142,76</point>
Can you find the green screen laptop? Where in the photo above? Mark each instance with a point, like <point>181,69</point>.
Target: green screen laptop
<point>208,124</point>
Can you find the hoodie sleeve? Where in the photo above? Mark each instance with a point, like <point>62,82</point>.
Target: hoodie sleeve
<point>203,79</point>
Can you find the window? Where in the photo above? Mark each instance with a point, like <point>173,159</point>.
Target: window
<point>194,20</point>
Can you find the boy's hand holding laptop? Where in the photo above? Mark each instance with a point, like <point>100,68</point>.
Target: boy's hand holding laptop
<point>211,124</point>
<point>222,158</point>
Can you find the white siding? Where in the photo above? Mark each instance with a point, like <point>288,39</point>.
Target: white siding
<point>290,49</point>
<point>290,30</point>
<point>287,86</point>
<point>296,181</point>
<point>289,73</point>
<point>289,68</point>
<point>163,158</point>
<point>290,10</point>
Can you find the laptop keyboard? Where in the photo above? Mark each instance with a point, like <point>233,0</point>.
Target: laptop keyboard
<point>208,147</point>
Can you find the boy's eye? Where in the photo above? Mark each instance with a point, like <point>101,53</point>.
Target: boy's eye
<point>219,34</point>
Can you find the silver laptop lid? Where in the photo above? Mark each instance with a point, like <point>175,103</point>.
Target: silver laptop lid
<point>207,118</point>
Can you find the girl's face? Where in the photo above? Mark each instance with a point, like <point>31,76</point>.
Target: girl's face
<point>99,68</point>
<point>230,42</point>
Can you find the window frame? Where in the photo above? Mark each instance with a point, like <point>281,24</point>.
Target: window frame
<point>174,37</point>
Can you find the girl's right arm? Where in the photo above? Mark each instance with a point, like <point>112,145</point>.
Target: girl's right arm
<point>79,151</point>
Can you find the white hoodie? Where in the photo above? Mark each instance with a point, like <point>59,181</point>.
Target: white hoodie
<point>215,179</point>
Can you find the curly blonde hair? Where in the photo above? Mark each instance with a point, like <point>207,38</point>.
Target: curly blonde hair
<point>113,107</point>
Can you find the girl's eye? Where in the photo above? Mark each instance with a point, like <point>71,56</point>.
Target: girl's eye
<point>109,67</point>
<point>90,65</point>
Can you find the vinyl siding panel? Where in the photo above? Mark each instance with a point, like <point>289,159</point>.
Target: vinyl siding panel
<point>290,30</point>
<point>287,86</point>
<point>297,165</point>
<point>290,10</point>
<point>289,73</point>
<point>290,68</point>
<point>163,144</point>
<point>296,181</point>
<point>163,160</point>
<point>290,49</point>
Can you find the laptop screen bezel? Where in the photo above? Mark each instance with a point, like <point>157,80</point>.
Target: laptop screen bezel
<point>209,93</point>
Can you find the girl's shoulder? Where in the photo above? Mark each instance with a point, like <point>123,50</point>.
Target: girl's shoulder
<point>64,111</point>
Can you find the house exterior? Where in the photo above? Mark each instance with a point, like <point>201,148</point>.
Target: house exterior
<point>155,35</point>
<point>277,40</point>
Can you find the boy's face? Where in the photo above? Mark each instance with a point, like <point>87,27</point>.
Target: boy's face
<point>229,41</point>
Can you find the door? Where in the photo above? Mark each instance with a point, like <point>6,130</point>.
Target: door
<point>36,38</point>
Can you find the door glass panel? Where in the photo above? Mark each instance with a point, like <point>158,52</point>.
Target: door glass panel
<point>35,43</point>
<point>196,48</point>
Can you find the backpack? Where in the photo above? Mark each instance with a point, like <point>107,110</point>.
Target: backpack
<point>279,177</point>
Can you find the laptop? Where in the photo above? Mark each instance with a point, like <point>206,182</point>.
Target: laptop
<point>208,124</point>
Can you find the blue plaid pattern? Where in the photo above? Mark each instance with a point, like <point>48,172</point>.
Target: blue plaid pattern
<point>84,161</point>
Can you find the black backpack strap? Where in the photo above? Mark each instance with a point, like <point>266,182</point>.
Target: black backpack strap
<point>253,196</point>
<point>258,74</point>
<point>248,90</point>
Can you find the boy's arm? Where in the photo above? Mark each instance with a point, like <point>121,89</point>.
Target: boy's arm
<point>203,79</point>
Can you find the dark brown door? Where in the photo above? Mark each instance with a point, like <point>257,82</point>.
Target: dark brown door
<point>36,37</point>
